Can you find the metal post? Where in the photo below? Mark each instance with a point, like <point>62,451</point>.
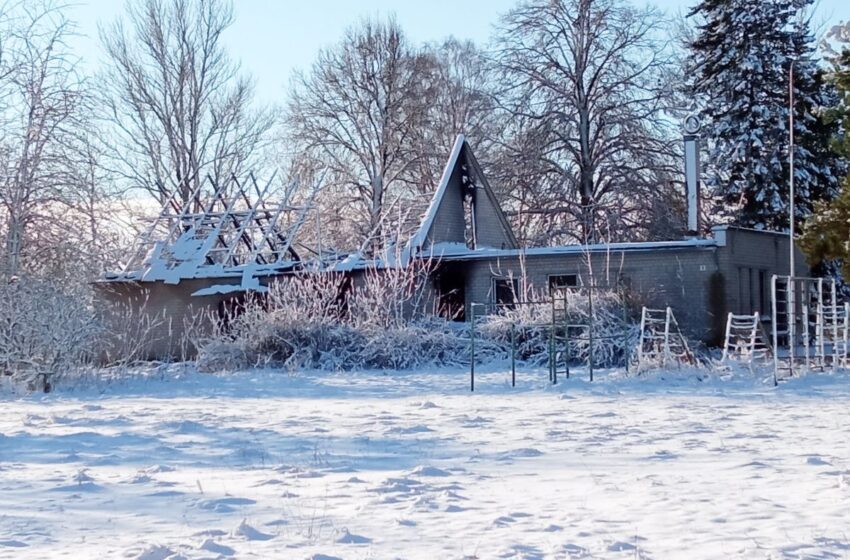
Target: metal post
<point>625,331</point>
<point>640,340</point>
<point>791,165</point>
<point>725,355</point>
<point>513,356</point>
<point>846,335</point>
<point>791,307</point>
<point>666,336</point>
<point>590,329</point>
<point>775,333</point>
<point>472,347</point>
<point>834,307</point>
<point>552,358</point>
<point>805,337</point>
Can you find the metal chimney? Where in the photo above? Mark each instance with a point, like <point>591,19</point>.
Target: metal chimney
<point>692,173</point>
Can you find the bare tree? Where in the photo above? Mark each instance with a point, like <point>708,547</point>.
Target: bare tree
<point>181,110</point>
<point>40,99</point>
<point>357,112</point>
<point>584,78</point>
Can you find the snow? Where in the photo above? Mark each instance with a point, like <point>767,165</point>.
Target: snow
<point>177,464</point>
<point>457,251</point>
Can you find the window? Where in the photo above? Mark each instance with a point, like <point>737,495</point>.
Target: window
<point>764,306</point>
<point>505,291</point>
<point>753,291</point>
<point>561,281</point>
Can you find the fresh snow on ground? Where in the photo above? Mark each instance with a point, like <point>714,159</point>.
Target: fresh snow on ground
<point>410,465</point>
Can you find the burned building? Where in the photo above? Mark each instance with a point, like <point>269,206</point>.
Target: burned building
<point>220,245</point>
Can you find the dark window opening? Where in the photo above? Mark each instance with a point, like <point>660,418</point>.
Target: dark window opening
<point>505,291</point>
<point>763,303</point>
<point>451,294</point>
<point>468,195</point>
<point>753,291</point>
<point>562,281</point>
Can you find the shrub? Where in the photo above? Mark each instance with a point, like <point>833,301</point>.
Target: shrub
<point>615,331</point>
<point>44,330</point>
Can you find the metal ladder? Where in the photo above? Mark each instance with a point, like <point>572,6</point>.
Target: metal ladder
<point>745,341</point>
<point>661,341</point>
<point>831,334</point>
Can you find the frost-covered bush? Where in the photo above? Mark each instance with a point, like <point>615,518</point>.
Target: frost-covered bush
<point>321,321</point>
<point>615,329</point>
<point>45,329</point>
<point>419,343</point>
<point>297,320</point>
<point>127,331</point>
<point>389,298</point>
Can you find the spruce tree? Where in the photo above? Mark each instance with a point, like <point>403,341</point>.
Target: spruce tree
<point>827,234</point>
<point>739,69</point>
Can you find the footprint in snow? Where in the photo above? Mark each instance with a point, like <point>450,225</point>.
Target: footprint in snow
<point>350,538</point>
<point>662,455</point>
<point>155,552</point>
<point>186,427</point>
<point>165,494</point>
<point>323,557</point>
<point>298,472</point>
<point>817,461</point>
<point>423,470</point>
<point>210,533</point>
<point>225,505</point>
<point>158,469</point>
<point>250,533</point>
<point>504,521</point>
<point>79,487</point>
<point>621,546</point>
<point>575,551</point>
<point>417,429</point>
<point>211,546</point>
<point>518,453</point>
<point>269,482</point>
<point>755,465</point>
<point>140,478</point>
<point>13,543</point>
<point>524,551</point>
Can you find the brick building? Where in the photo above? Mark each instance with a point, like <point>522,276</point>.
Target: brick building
<point>476,258</point>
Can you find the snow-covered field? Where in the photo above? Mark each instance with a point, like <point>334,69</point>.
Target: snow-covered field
<point>410,465</point>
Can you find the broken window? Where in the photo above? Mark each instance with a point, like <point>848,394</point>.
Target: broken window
<point>562,281</point>
<point>469,209</point>
<point>505,291</point>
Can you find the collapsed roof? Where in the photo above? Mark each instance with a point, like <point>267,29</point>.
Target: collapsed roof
<point>234,229</point>
<point>225,229</point>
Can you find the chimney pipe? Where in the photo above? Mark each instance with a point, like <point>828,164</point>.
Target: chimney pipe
<point>692,174</point>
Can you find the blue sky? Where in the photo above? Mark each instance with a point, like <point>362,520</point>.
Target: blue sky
<point>273,37</point>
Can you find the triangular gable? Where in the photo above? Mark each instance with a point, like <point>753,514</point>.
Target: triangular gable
<point>444,223</point>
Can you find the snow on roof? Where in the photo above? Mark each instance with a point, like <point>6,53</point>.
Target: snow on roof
<point>457,251</point>
<point>221,230</point>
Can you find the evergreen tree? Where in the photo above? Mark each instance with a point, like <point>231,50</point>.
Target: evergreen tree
<point>739,66</point>
<point>827,234</point>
